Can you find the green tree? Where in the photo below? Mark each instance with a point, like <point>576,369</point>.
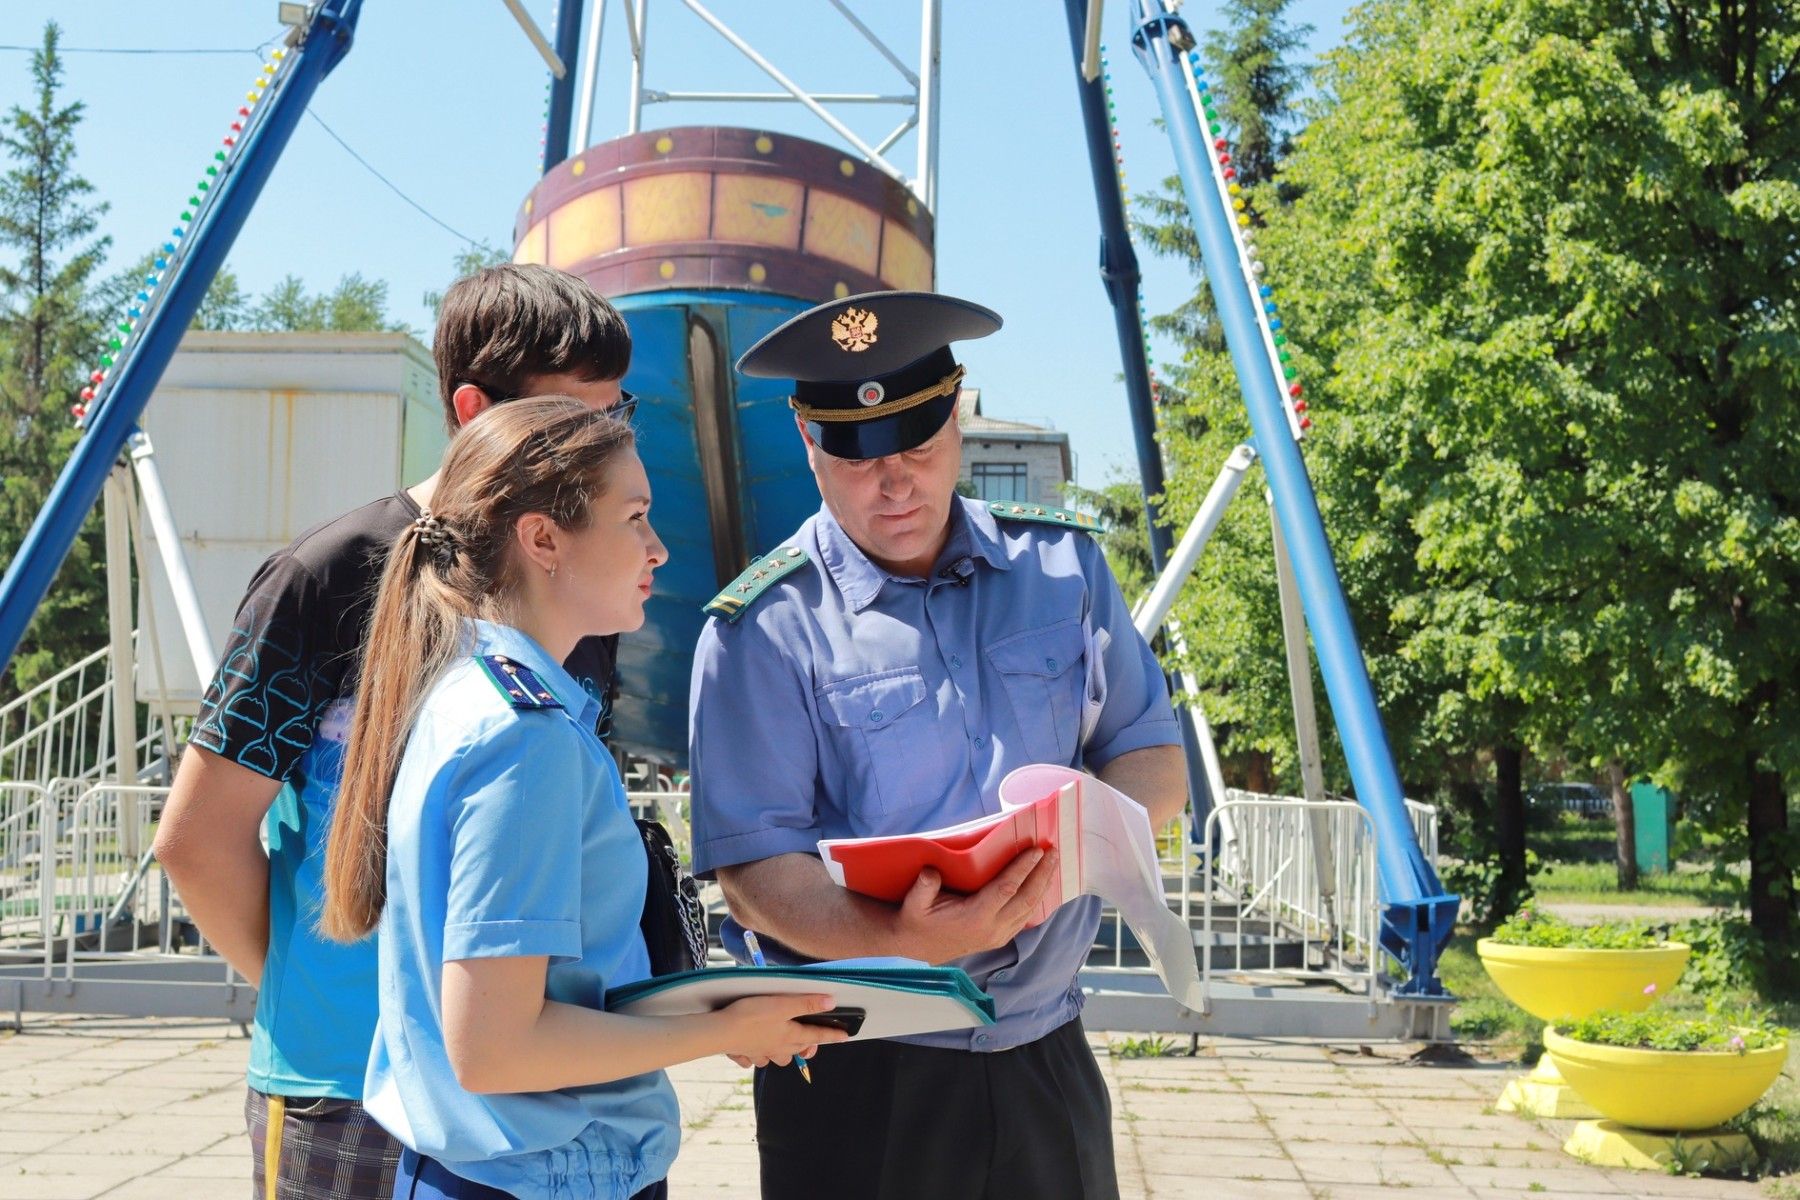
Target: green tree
<point>356,305</point>
<point>467,261</point>
<point>48,333</point>
<point>225,306</point>
<point>1541,265</point>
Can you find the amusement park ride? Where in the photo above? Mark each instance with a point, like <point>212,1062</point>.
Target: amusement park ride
<point>706,237</point>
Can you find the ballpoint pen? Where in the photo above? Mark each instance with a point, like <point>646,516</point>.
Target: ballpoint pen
<point>756,957</point>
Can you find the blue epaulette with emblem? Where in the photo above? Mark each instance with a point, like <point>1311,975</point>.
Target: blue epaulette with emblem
<point>1066,517</point>
<point>742,592</point>
<point>517,682</point>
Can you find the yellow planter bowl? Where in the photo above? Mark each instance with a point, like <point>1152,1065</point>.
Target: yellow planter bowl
<point>1551,983</point>
<point>1673,1090</point>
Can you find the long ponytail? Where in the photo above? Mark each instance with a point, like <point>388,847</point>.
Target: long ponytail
<point>412,636</point>
<point>547,455</point>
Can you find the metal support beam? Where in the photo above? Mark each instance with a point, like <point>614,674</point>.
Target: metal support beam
<point>562,92</point>
<point>1419,915</point>
<point>634,116</point>
<point>115,412</point>
<point>118,618</point>
<point>906,72</point>
<point>1119,275</point>
<point>1121,278</point>
<point>1090,42</point>
<point>1306,720</point>
<point>813,106</point>
<point>202,650</point>
<point>538,40</point>
<point>1153,610</point>
<point>931,55</point>
<point>590,76</point>
<point>654,96</point>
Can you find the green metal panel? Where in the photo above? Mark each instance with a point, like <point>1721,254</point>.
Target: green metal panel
<point>1653,812</point>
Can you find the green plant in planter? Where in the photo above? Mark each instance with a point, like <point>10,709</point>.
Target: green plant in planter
<point>1652,1029</point>
<point>1532,928</point>
<point>1554,970</point>
<point>1653,1070</point>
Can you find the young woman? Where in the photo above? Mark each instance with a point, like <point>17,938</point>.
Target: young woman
<point>484,827</point>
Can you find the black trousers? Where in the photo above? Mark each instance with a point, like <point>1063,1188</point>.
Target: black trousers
<point>892,1121</point>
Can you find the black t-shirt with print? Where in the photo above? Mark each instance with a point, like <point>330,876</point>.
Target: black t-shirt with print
<point>294,643</point>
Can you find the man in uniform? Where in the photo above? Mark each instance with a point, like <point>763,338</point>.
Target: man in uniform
<point>267,749</point>
<point>880,673</point>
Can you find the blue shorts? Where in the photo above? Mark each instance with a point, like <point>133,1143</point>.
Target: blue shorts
<point>421,1178</point>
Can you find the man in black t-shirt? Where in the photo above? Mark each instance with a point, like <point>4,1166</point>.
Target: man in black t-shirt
<point>266,753</point>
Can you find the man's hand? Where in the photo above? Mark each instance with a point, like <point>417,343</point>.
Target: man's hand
<point>938,926</point>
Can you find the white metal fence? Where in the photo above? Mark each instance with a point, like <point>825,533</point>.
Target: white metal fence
<point>1275,886</point>
<point>1303,870</point>
<point>63,728</point>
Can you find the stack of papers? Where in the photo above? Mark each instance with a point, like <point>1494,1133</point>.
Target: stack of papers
<point>1103,835</point>
<point>899,996</point>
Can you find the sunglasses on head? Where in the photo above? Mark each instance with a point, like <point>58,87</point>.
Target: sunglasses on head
<point>623,408</point>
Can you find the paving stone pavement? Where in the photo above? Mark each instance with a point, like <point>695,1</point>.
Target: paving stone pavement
<point>152,1110</point>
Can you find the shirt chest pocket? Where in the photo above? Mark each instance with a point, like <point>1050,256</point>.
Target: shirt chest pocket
<point>882,730</point>
<point>1038,670</point>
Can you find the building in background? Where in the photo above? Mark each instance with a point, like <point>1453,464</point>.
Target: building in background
<point>1011,460</point>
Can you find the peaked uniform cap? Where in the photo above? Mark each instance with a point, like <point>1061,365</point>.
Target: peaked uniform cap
<point>873,374</point>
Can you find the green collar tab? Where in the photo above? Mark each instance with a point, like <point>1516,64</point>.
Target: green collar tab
<point>517,682</point>
<point>1066,517</point>
<point>742,592</point>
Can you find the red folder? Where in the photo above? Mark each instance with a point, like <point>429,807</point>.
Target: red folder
<point>966,856</point>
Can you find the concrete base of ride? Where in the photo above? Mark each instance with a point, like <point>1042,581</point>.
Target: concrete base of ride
<point>151,985</point>
<point>1610,1144</point>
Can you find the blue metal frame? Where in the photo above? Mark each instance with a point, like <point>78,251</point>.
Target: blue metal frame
<point>1417,916</point>
<point>1120,276</point>
<point>114,413</point>
<point>562,91</point>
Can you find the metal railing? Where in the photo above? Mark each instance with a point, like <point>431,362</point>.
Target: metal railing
<point>79,886</point>
<point>1425,828</point>
<point>93,926</point>
<point>63,729</point>
<point>1278,886</point>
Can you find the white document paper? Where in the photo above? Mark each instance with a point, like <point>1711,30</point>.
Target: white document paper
<point>1118,864</point>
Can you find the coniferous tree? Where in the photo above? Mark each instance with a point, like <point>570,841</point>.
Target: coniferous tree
<point>49,332</point>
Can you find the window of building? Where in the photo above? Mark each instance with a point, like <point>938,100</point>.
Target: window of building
<point>999,481</point>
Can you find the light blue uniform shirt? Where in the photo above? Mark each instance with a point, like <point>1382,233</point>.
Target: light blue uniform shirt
<point>509,835</point>
<point>848,702</point>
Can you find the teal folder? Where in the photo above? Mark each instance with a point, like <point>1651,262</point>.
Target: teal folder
<point>899,996</point>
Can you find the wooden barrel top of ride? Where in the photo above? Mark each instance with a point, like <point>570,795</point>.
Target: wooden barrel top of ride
<point>706,207</point>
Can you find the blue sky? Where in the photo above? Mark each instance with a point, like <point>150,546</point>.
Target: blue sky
<point>446,101</point>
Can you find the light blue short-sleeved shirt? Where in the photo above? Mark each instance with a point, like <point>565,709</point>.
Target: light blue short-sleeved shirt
<point>509,836</point>
<point>847,702</point>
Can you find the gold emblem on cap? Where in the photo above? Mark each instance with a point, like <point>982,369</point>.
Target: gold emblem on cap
<point>854,330</point>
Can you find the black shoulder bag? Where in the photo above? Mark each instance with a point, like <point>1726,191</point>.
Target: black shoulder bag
<point>674,923</point>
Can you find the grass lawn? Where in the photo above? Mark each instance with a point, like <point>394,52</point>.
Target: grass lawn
<point>1598,883</point>
<point>1575,857</point>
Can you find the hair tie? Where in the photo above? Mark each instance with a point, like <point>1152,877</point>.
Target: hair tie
<point>436,537</point>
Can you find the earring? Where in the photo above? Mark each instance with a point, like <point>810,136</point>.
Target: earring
<point>553,571</point>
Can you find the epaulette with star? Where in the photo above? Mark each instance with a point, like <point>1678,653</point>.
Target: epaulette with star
<point>742,592</point>
<point>1066,517</point>
<point>517,682</point>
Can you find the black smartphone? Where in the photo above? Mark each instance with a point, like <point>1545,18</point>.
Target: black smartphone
<point>850,1020</point>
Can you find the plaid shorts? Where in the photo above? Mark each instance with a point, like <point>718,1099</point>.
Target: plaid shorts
<point>307,1148</point>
